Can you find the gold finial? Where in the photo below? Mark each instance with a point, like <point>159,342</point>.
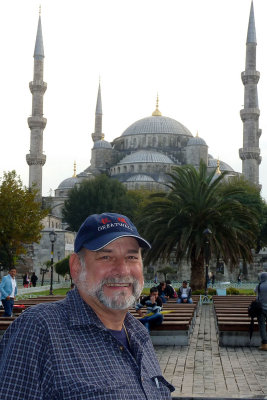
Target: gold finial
<point>157,113</point>
<point>197,134</point>
<point>74,170</point>
<point>40,9</point>
<point>218,171</point>
<point>102,136</point>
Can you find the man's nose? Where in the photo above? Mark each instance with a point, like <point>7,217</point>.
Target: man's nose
<point>122,266</point>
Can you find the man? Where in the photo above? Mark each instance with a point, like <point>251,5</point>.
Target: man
<point>87,346</point>
<point>184,294</point>
<point>34,279</point>
<point>8,290</point>
<point>261,291</point>
<point>154,305</point>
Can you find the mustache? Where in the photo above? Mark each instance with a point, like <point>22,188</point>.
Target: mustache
<point>118,279</point>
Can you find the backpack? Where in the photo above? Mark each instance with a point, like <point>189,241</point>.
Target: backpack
<point>254,311</point>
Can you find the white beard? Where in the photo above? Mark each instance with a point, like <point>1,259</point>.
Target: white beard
<point>120,301</point>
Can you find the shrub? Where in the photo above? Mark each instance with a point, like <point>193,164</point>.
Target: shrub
<point>232,291</point>
<point>211,291</point>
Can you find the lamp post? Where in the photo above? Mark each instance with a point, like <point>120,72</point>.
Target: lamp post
<point>207,232</point>
<point>58,259</point>
<point>53,238</point>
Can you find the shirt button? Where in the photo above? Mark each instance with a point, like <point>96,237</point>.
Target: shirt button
<point>142,379</point>
<point>121,348</point>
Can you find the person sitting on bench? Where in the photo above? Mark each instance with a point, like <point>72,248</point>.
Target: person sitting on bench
<point>154,305</point>
<point>184,294</point>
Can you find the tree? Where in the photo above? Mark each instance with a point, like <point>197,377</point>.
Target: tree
<point>94,197</point>
<point>62,267</point>
<point>174,222</point>
<point>20,218</point>
<point>251,198</point>
<point>165,271</point>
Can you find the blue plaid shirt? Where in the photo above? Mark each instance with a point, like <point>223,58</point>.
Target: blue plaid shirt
<point>62,351</point>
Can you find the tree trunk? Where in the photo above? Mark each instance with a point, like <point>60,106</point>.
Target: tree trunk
<point>197,273</point>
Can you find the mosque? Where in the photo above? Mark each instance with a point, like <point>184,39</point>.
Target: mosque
<point>145,151</point>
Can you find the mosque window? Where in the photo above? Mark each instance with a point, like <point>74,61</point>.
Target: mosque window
<point>154,141</point>
<point>135,142</point>
<point>124,168</point>
<point>132,168</point>
<point>126,143</point>
<point>140,167</point>
<point>164,141</point>
<point>149,141</point>
<point>119,170</point>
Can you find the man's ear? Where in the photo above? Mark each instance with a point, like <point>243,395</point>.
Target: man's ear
<point>75,266</point>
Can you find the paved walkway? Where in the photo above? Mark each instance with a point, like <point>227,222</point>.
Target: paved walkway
<point>204,369</point>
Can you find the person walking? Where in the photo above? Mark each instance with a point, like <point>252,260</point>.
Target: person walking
<point>26,280</point>
<point>8,290</point>
<point>261,292</point>
<point>34,279</point>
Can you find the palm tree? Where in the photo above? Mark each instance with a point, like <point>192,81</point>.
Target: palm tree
<point>174,222</point>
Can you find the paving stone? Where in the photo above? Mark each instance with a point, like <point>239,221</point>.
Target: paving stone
<point>205,369</point>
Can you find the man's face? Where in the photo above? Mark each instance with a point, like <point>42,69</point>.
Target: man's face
<point>184,284</point>
<point>13,273</point>
<point>155,294</point>
<point>113,276</point>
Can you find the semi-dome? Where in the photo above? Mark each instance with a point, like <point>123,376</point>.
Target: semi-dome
<point>144,156</point>
<point>140,178</point>
<point>156,124</point>
<point>196,141</point>
<point>102,144</point>
<point>212,163</point>
<point>68,183</point>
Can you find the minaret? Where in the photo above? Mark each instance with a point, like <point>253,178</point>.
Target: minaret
<point>36,159</point>
<point>250,153</point>
<point>98,135</point>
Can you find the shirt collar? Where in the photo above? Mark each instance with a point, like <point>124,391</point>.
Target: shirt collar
<point>80,313</point>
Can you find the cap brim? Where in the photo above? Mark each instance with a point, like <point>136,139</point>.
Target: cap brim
<point>103,241</point>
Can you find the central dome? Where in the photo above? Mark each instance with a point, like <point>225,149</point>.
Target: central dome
<point>157,124</point>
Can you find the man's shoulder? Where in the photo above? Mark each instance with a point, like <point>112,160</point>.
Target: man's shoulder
<point>44,313</point>
<point>5,278</point>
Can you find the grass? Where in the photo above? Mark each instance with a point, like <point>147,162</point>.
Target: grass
<point>63,292</point>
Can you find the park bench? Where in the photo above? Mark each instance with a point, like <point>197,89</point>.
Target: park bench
<point>233,322</point>
<point>177,325</point>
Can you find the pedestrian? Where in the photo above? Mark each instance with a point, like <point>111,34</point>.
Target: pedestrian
<point>26,280</point>
<point>8,290</point>
<point>239,279</point>
<point>184,294</point>
<point>154,305</point>
<point>212,279</point>
<point>261,292</point>
<point>87,346</point>
<point>34,279</point>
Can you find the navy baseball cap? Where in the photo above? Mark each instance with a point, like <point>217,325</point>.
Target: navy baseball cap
<point>98,230</point>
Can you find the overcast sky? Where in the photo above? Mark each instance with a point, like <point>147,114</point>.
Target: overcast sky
<point>191,52</point>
